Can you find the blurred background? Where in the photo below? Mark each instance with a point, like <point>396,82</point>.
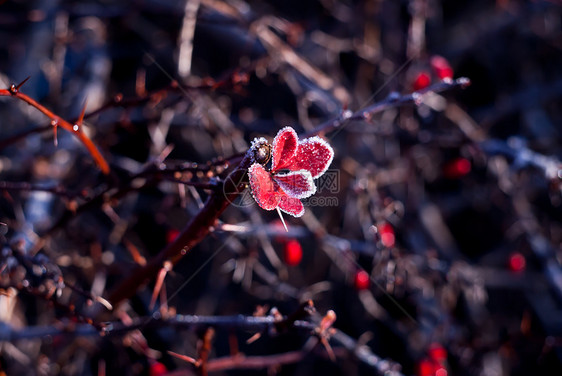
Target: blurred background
<point>435,237</point>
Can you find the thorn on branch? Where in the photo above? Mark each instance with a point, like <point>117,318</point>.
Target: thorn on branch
<point>15,88</point>
<point>159,282</point>
<point>55,124</point>
<point>83,138</point>
<point>185,358</point>
<point>81,117</point>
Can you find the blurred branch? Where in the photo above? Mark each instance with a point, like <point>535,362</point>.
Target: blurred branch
<point>522,157</point>
<point>200,225</point>
<point>245,323</point>
<point>231,80</point>
<point>392,100</point>
<point>365,355</point>
<point>195,231</point>
<point>240,361</point>
<point>56,190</point>
<point>56,121</point>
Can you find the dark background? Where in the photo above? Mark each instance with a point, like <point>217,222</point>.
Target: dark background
<point>451,280</point>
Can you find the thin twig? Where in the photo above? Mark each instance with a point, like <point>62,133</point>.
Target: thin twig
<point>391,101</point>
<point>246,323</point>
<point>200,225</point>
<point>195,231</point>
<point>57,121</point>
<point>24,186</point>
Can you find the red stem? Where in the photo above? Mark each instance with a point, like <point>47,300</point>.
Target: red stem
<point>13,91</point>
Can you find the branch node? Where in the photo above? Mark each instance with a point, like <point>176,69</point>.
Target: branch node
<point>464,82</point>
<point>81,118</point>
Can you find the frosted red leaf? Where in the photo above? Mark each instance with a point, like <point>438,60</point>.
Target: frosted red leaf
<point>297,184</point>
<point>285,145</point>
<point>264,188</point>
<point>291,205</point>
<point>305,160</point>
<point>313,154</point>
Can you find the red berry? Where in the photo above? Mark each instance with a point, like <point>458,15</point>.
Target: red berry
<point>457,168</point>
<point>437,353</point>
<point>441,67</point>
<point>421,81</point>
<point>157,369</point>
<point>362,280</point>
<point>293,252</point>
<point>427,367</point>
<point>441,372</point>
<point>387,235</point>
<point>517,262</point>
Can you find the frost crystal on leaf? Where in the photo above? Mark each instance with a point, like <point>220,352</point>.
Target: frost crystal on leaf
<point>305,160</point>
<point>285,146</point>
<point>315,155</point>
<point>297,184</point>
<point>264,188</point>
<point>292,206</point>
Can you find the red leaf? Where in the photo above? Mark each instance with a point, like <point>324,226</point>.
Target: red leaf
<point>285,145</point>
<point>297,184</point>
<point>291,205</point>
<point>305,160</point>
<point>265,190</point>
<point>314,154</point>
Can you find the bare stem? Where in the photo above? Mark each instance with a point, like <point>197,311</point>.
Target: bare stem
<point>195,231</point>
<point>392,100</point>
<point>57,121</point>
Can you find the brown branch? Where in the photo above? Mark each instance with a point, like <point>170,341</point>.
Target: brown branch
<point>154,173</point>
<point>393,100</point>
<point>365,355</point>
<point>24,186</point>
<point>195,231</point>
<point>205,348</point>
<point>254,362</point>
<point>57,121</point>
<point>231,80</point>
<point>247,323</point>
<point>218,201</point>
<point>241,361</point>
